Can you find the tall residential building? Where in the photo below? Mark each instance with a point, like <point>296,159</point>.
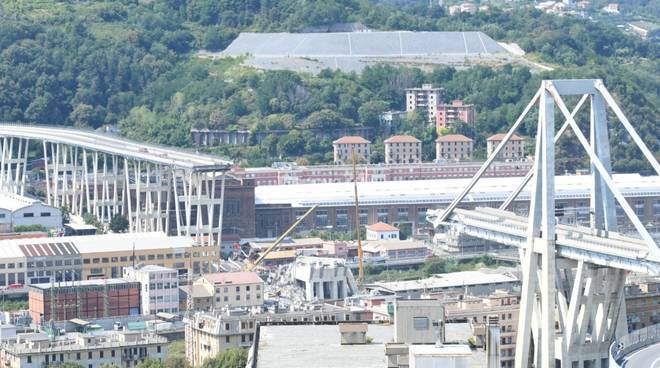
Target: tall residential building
<point>227,290</point>
<point>477,310</point>
<point>453,147</point>
<point>210,334</point>
<point>642,302</point>
<point>159,288</point>
<point>121,349</point>
<point>514,149</point>
<point>403,149</point>
<point>345,146</point>
<point>425,98</point>
<point>88,299</point>
<point>455,111</point>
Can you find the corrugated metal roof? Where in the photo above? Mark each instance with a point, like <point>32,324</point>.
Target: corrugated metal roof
<point>14,202</point>
<point>439,191</point>
<point>43,247</point>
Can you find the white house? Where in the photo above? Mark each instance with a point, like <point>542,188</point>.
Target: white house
<point>16,210</point>
<point>382,231</point>
<point>160,288</point>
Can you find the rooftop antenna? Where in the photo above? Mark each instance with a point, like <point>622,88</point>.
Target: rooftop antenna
<point>357,220</point>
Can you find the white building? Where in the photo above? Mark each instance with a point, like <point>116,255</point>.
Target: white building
<point>324,278</point>
<point>426,98</point>
<point>382,231</point>
<point>16,210</point>
<point>122,349</point>
<point>159,290</point>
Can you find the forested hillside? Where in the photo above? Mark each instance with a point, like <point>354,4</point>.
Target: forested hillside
<point>132,63</point>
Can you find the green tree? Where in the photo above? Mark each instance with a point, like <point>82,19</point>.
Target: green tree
<point>118,224</point>
<point>231,358</point>
<point>90,219</point>
<point>150,363</point>
<point>370,111</point>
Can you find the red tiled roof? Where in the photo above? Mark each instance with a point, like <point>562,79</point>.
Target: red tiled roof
<point>401,139</point>
<point>233,278</point>
<point>453,138</point>
<point>500,136</point>
<point>351,139</point>
<point>381,226</point>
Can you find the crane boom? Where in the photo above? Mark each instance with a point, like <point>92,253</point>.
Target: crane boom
<point>277,242</point>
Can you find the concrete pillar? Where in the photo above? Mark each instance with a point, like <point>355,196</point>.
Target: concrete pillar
<point>334,290</point>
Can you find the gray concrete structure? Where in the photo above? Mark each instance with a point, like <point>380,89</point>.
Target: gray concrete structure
<point>324,278</point>
<point>418,321</point>
<point>572,302</point>
<point>155,188</point>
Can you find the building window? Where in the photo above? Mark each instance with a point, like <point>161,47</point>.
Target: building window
<point>639,208</point>
<point>101,354</point>
<point>45,214</point>
<point>227,339</point>
<point>158,348</point>
<point>89,355</point>
<point>420,323</point>
<point>364,216</point>
<point>341,217</point>
<point>28,214</point>
<point>383,215</point>
<point>321,218</point>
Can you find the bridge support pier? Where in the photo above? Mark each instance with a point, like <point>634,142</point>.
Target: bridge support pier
<point>571,309</point>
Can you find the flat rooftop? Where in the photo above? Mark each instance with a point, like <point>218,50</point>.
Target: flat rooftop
<point>82,283</point>
<point>440,191</point>
<point>305,346</point>
<point>451,280</point>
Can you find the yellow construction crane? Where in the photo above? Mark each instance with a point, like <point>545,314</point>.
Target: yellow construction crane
<point>357,221</point>
<point>250,266</point>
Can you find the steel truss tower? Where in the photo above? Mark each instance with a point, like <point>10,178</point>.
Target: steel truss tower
<point>155,188</point>
<point>571,308</point>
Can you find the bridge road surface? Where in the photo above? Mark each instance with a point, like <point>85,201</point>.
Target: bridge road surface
<point>648,357</point>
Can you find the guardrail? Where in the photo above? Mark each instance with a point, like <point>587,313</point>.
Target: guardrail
<point>633,341</point>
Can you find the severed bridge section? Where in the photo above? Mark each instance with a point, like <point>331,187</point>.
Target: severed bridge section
<point>572,304</point>
<point>156,188</point>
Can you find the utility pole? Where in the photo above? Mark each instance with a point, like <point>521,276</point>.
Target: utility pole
<point>357,219</point>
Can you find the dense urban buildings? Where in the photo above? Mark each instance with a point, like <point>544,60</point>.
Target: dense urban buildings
<point>456,111</point>
<point>514,148</point>
<point>426,98</point>
<point>346,147</point>
<point>123,349</point>
<point>502,304</point>
<point>20,211</point>
<point>159,288</point>
<point>642,302</point>
<point>403,149</point>
<point>89,299</point>
<point>453,147</point>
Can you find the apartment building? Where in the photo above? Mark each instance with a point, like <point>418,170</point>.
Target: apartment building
<point>159,288</point>
<point>453,147</point>
<point>210,334</point>
<point>403,149</point>
<point>426,98</point>
<point>89,299</point>
<point>122,349</point>
<point>396,250</point>
<point>504,305</point>
<point>514,148</point>
<point>642,302</point>
<point>344,148</point>
<point>228,290</point>
<point>457,110</point>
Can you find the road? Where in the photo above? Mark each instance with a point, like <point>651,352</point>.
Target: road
<point>649,357</point>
